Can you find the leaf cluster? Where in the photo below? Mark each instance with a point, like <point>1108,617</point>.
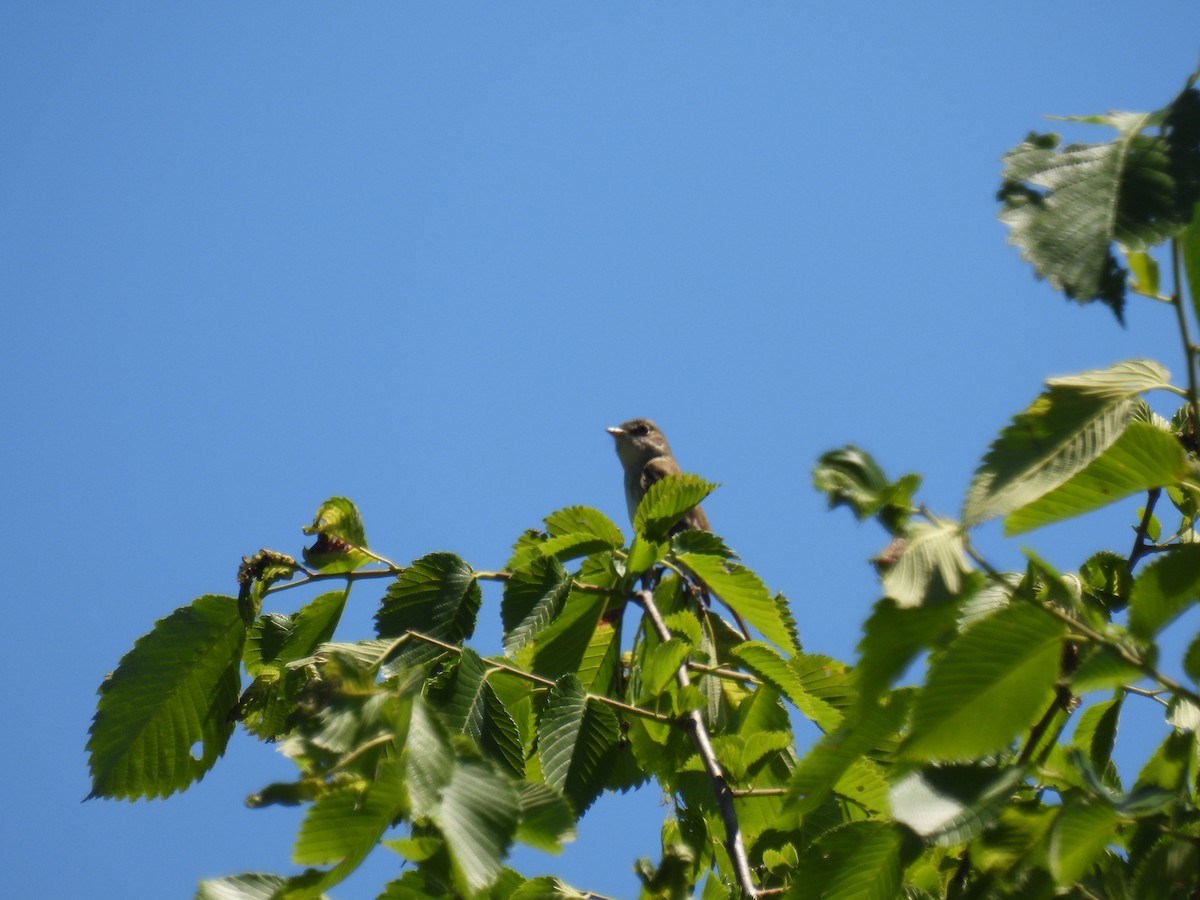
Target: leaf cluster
<point>968,752</point>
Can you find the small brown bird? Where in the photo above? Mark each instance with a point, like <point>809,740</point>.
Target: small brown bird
<point>646,457</point>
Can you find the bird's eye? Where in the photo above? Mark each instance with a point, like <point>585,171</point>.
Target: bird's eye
<point>640,428</point>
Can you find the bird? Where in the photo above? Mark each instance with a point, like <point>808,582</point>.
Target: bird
<point>646,458</point>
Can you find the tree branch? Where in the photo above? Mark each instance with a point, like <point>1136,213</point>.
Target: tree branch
<point>694,723</point>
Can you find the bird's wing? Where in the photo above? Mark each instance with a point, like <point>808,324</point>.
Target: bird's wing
<point>657,469</point>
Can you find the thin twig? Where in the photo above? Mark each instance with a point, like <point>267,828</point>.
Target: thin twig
<point>1189,349</point>
<point>722,672</point>
<point>694,723</point>
<point>759,792</point>
<point>1140,547</point>
<point>494,666</point>
<point>1091,634</point>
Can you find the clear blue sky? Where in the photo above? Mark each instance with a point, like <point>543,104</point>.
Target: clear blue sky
<point>258,254</point>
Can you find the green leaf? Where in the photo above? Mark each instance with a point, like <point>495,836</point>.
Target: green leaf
<point>1101,669</point>
<point>548,888</point>
<point>644,553</point>
<point>1066,208</point>
<point>478,816</point>
<point>1080,833</point>
<point>825,766</point>
<point>661,665</point>
<point>438,596</point>
<point>340,538</point>
<point>744,592</point>
<point>767,664</point>
<point>1189,244</point>
<point>934,554</point>
<point>950,805</point>
<point>858,861</point>
<point>533,596</point>
<point>665,503</point>
<point>994,680</point>
<point>1096,733</point>
<point>893,636</point>
<point>547,821</point>
<point>579,532</point>
<point>850,477</point>
<point>249,886</point>
<point>342,827</point>
<point>1144,269</point>
<point>1191,659</point>
<point>564,646</point>
<point>276,640</point>
<point>1164,589</point>
<point>1067,427</point>
<point>163,716</point>
<point>1142,457</point>
<point>468,704</point>
<point>576,742</point>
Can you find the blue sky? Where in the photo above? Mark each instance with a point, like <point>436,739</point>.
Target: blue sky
<point>256,255</point>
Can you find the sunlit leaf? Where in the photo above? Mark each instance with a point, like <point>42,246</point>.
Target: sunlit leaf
<point>1142,457</point>
<point>576,741</point>
<point>533,596</point>
<point>163,718</point>
<point>438,596</point>
<point>1067,427</point>
<point>933,554</point>
<point>992,681</point>
<point>1080,834</point>
<point>949,805</point>
<point>1164,589</point>
<point>340,538</point>
<point>744,592</point>
<point>665,503</point>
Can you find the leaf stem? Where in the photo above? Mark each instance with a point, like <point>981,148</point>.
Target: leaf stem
<point>1140,547</point>
<point>1189,349</point>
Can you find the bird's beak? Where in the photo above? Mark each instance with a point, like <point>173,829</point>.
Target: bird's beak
<point>615,431</point>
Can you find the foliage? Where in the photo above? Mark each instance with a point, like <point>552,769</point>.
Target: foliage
<point>991,777</point>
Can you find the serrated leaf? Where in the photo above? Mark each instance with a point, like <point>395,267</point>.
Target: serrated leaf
<point>661,665</point>
<point>1164,589</point>
<point>825,765</point>
<point>1096,733</point>
<point>950,805</point>
<point>565,644</point>
<point>992,681</point>
<point>934,552</point>
<point>1067,427</point>
<point>344,826</point>
<point>767,664</point>
<point>478,815</point>
<point>857,861</point>
<point>170,696</point>
<point>849,476</point>
<point>438,596</point>
<point>1101,669</point>
<point>468,703</point>
<point>1066,208</point>
<point>548,887</point>
<point>276,640</point>
<point>547,821</point>
<point>893,636</point>
<point>533,596</point>
<point>644,553</point>
<point>341,538</point>
<point>665,503</point>
<point>1142,457</point>
<point>576,742</point>
<point>248,886</point>
<point>1080,834</point>
<point>1191,659</point>
<point>744,593</point>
